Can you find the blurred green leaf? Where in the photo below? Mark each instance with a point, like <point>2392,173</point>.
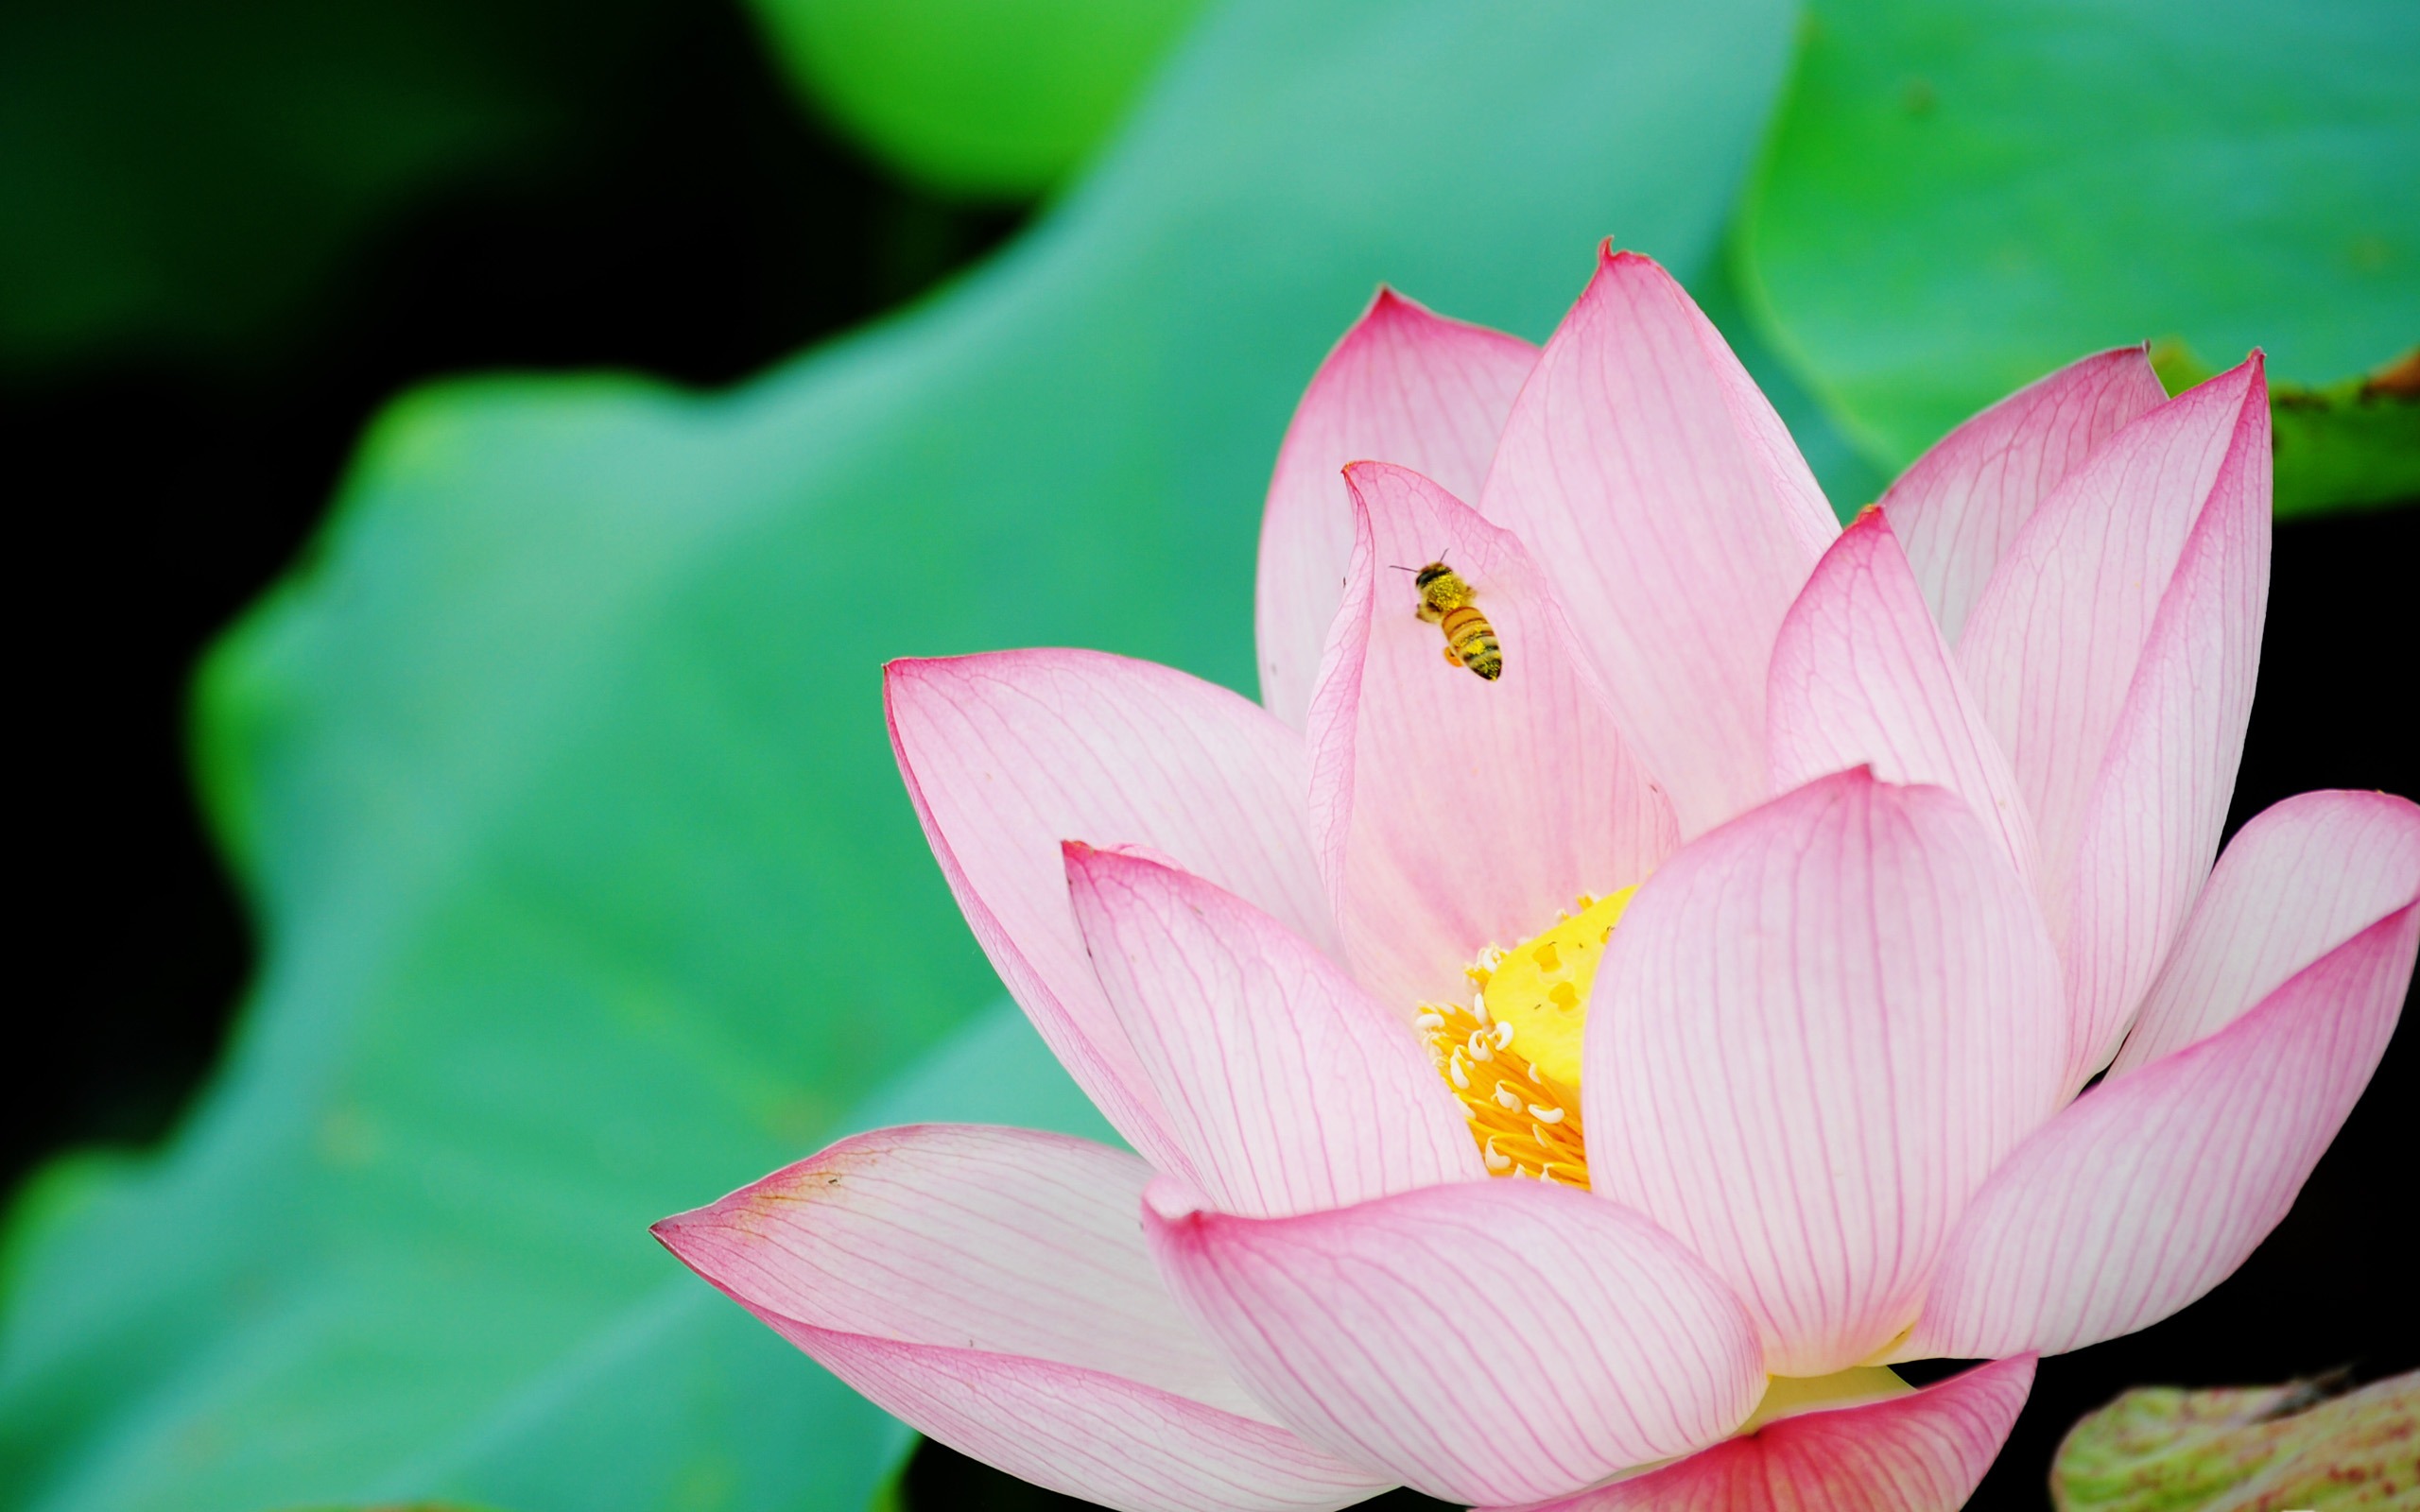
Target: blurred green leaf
<point>180,177</point>
<point>2245,1449</point>
<point>993,99</point>
<point>558,776</point>
<point>2350,445</point>
<point>2353,445</point>
<point>1959,198</point>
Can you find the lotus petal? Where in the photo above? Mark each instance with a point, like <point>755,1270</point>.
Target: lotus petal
<point>1672,513</point>
<point>990,1287</point>
<point>1449,812</point>
<point>1815,1033</point>
<point>2301,879</point>
<point>1404,385</point>
<point>1959,506</point>
<point>2151,1188</point>
<point>2113,654</point>
<point>1923,1453</point>
<point>1290,1088</point>
<point>1861,676</point>
<point>1009,753</point>
<point>1486,1342</point>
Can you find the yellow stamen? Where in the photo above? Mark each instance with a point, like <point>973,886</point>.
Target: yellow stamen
<point>1513,1056</point>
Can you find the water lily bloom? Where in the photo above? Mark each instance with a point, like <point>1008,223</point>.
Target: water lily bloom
<point>1576,1088</point>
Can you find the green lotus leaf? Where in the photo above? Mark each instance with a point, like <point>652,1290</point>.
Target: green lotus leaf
<point>2244,1449</point>
<point>2016,182</point>
<point>979,97</point>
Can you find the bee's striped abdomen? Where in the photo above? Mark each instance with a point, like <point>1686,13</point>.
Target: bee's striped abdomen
<point>1470,641</point>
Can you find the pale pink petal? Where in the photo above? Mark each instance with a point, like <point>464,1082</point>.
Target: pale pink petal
<point>1008,754</point>
<point>1290,1088</point>
<point>1816,1032</point>
<point>2113,654</point>
<point>2151,1188</point>
<point>1675,519</point>
<point>1861,676</point>
<point>1099,1438</point>
<point>1404,385</point>
<point>1490,1341</point>
<point>1007,1239</point>
<point>989,1286</point>
<point>1923,1453</point>
<point>2152,823</point>
<point>1961,505</point>
<point>1449,812</point>
<point>2301,879</point>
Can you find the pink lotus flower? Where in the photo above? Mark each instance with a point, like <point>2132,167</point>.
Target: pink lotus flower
<point>1918,817</point>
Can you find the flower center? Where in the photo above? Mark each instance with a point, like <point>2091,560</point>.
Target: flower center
<point>1512,1055</point>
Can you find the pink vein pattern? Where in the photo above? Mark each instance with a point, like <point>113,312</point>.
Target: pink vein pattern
<point>1958,509</point>
<point>1287,1086</point>
<point>1655,495</point>
<point>1924,1453</point>
<point>1861,676</point>
<point>1813,1036</point>
<point>2150,1189</point>
<point>938,1267</point>
<point>1451,813</point>
<point>1404,385</point>
<point>1488,1341</point>
<point>2113,654</point>
<point>1008,754</point>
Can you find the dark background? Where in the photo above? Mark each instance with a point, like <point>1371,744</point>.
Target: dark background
<point>698,227</point>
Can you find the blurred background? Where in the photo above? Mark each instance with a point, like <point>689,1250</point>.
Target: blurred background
<point>444,431</point>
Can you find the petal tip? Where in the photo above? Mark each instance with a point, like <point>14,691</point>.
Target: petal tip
<point>1870,521</point>
<point>1391,311</point>
<point>1629,262</point>
<point>681,1232</point>
<point>2251,375</point>
<point>1364,476</point>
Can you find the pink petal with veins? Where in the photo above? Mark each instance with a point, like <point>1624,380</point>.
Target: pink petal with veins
<point>1486,1342</point>
<point>1816,1032</point>
<point>2151,1188</point>
<point>1673,515</point>
<point>1958,509</point>
<point>1404,385</point>
<point>990,1287</point>
<point>2113,654</point>
<point>1287,1086</point>
<point>2301,879</point>
<point>1924,1453</point>
<point>1009,753</point>
<point>1861,676</point>
<point>1451,813</point>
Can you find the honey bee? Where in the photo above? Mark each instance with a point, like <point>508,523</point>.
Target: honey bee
<point>1449,603</point>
